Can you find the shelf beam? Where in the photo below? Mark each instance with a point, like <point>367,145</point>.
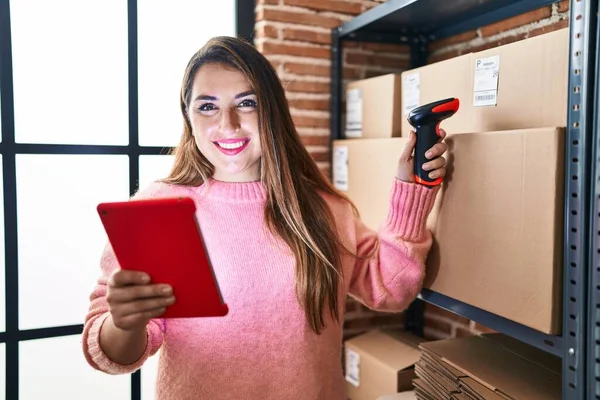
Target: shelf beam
<point>549,343</point>
<point>372,15</point>
<point>454,20</point>
<point>485,17</point>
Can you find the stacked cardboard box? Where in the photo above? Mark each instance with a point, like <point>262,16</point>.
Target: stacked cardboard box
<point>498,220</point>
<point>380,363</point>
<point>487,367</point>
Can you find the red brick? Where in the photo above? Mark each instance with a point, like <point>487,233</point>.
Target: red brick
<point>371,4</point>
<point>307,69</point>
<point>352,73</point>
<point>379,60</point>
<point>369,322</point>
<point>275,64</point>
<point>297,18</point>
<point>430,309</point>
<point>463,332</point>
<point>322,156</point>
<point>310,122</point>
<point>442,56</point>
<point>563,6</point>
<point>564,23</point>
<point>501,42</point>
<point>314,140</point>
<point>452,40</point>
<point>519,20</point>
<point>340,6</point>
<point>307,87</point>
<point>310,104</point>
<point>293,50</point>
<point>267,31</point>
<point>306,35</point>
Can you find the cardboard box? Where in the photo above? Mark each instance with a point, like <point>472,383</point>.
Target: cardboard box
<point>498,225</point>
<point>488,367</point>
<point>520,85</point>
<point>531,86</point>
<point>497,222</point>
<point>380,363</point>
<point>365,169</point>
<point>373,107</point>
<point>437,81</point>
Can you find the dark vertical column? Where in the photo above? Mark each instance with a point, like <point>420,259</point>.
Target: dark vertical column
<point>134,148</point>
<point>577,177</point>
<point>10,205</point>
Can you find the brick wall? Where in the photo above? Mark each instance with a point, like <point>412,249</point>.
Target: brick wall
<point>295,36</point>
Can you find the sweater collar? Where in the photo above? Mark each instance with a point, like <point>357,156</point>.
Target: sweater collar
<point>234,191</point>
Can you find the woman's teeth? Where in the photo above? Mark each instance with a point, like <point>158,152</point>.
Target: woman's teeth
<point>231,146</point>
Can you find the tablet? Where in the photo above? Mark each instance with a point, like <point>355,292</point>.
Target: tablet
<point>162,238</point>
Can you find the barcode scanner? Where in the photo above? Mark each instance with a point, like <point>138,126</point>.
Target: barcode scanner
<point>426,121</point>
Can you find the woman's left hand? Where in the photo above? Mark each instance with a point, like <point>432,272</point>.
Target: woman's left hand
<point>436,166</point>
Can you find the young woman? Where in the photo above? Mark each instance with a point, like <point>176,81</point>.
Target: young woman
<point>287,249</point>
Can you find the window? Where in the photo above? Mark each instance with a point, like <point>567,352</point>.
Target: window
<point>163,56</point>
<point>84,83</point>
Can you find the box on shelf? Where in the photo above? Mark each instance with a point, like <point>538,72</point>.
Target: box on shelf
<point>364,169</point>
<point>379,363</point>
<point>487,367</point>
<point>437,81</point>
<point>373,107</point>
<point>497,222</point>
<point>498,225</point>
<point>520,85</point>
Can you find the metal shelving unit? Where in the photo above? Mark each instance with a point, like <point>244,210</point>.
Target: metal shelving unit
<point>419,22</point>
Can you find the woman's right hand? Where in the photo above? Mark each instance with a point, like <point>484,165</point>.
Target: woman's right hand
<point>133,301</point>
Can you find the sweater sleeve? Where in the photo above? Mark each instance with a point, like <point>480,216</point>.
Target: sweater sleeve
<point>390,268</point>
<point>98,312</point>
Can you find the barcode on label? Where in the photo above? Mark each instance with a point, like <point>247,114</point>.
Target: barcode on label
<point>485,97</point>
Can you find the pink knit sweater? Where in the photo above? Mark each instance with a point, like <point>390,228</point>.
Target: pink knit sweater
<point>264,349</point>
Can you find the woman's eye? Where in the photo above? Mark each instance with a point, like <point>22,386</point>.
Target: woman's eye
<point>207,107</point>
<point>247,103</point>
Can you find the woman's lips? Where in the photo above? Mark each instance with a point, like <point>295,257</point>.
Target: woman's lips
<point>232,147</point>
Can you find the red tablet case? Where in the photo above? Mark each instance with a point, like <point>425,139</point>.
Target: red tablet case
<point>162,238</point>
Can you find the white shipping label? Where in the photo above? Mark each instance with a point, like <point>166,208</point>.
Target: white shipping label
<point>340,167</point>
<point>353,367</point>
<point>411,92</point>
<point>354,109</point>
<point>485,87</point>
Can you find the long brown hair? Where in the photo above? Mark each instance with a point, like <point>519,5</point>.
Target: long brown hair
<point>295,209</point>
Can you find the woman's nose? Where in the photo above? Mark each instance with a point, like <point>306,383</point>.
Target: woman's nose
<point>230,123</point>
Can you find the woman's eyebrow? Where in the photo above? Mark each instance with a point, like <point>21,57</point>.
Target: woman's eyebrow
<point>205,97</point>
<point>243,94</point>
<point>214,98</point>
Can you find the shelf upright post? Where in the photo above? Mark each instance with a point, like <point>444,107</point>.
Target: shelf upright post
<point>335,100</point>
<point>593,323</point>
<point>582,25</point>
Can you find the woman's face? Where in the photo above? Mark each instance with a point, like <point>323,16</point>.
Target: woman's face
<point>224,118</point>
